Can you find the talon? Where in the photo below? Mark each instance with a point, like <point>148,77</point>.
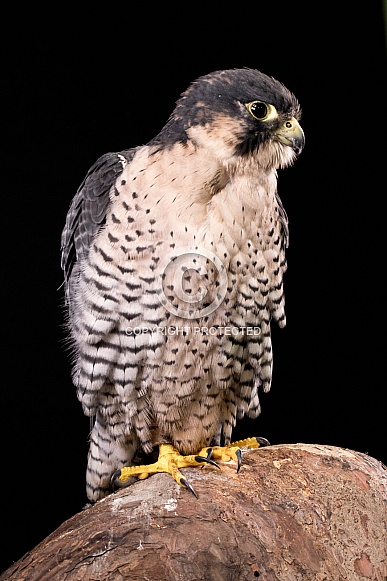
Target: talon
<point>186,484</point>
<point>207,460</point>
<point>114,482</point>
<point>238,454</point>
<point>262,441</point>
<point>210,452</point>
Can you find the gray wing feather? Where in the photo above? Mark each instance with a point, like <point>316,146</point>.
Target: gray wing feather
<point>284,220</point>
<point>87,213</point>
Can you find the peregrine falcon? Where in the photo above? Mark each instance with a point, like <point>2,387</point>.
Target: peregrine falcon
<point>173,255</point>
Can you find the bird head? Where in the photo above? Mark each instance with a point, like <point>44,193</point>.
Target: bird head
<point>238,113</point>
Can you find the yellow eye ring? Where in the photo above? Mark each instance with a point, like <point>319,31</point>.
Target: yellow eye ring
<point>261,111</point>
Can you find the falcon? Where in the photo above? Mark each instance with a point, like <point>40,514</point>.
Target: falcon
<point>174,255</point>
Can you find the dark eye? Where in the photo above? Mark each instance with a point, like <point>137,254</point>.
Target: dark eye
<point>258,110</point>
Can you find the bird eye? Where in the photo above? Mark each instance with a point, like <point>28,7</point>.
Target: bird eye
<point>258,110</point>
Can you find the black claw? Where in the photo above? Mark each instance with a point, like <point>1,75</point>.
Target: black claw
<point>210,452</point>
<point>115,483</point>
<point>113,478</point>
<point>187,485</point>
<point>203,459</point>
<point>239,456</point>
<point>262,441</point>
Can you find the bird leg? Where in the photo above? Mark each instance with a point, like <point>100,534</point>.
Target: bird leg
<point>170,460</point>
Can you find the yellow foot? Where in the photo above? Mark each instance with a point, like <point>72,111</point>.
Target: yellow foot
<point>170,460</point>
<point>233,451</point>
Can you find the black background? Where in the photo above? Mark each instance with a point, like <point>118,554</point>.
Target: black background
<point>75,89</point>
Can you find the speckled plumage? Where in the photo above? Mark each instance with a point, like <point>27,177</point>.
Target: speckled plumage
<point>206,185</point>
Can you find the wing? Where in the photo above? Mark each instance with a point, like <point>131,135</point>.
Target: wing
<point>87,213</point>
<point>284,221</point>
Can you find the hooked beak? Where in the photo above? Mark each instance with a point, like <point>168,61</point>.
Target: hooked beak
<point>290,133</point>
